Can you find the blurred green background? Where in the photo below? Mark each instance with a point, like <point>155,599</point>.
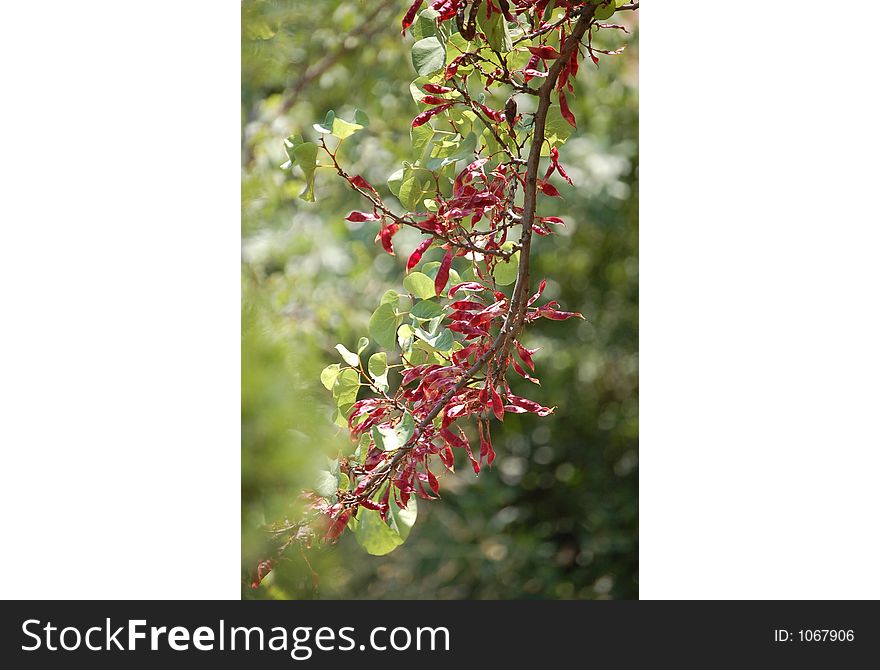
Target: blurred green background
<point>556,515</point>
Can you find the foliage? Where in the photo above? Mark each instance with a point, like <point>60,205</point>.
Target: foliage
<point>444,323</point>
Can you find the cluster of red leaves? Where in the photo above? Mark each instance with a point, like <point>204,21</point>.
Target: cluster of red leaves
<point>475,311</point>
<point>437,398</point>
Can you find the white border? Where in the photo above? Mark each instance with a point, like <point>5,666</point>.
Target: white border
<point>759,321</point>
<point>120,279</point>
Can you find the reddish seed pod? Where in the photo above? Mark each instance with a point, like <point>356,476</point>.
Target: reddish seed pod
<point>437,88</point>
<point>566,112</point>
<point>425,116</point>
<point>443,273</point>
<point>416,255</point>
<point>410,15</point>
<point>545,52</point>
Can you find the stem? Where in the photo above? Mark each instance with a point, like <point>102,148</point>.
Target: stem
<point>515,314</point>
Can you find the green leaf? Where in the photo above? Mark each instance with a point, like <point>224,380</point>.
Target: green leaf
<point>420,137</point>
<point>383,326</point>
<point>415,88</point>
<point>451,151</point>
<point>441,341</point>
<point>505,272</point>
<point>305,155</point>
<point>410,193</point>
<point>456,46</point>
<point>343,128</point>
<point>518,59</point>
<point>417,184</point>
<point>377,537</point>
<point>428,56</point>
<point>326,483</point>
<point>345,390</point>
<point>426,310</point>
<point>395,180</point>
<point>605,10</point>
<point>363,343</point>
<point>404,333</point>
<point>361,118</point>
<point>326,127</point>
<point>426,24</point>
<point>348,356</point>
<point>495,28</point>
<point>446,148</point>
<point>385,438</point>
<point>333,125</point>
<point>405,428</point>
<point>329,375</point>
<point>402,520</point>
<point>556,130</point>
<point>378,368</point>
<point>378,364</point>
<point>420,285</point>
<point>390,297</point>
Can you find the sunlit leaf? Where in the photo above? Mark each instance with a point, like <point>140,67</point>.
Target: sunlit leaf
<point>428,55</point>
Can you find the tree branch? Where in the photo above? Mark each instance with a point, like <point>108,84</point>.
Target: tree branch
<point>500,346</point>
<point>518,298</point>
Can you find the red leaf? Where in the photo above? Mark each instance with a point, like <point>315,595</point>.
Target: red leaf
<point>545,52</point>
<point>385,235</point>
<point>537,295</point>
<point>383,513</point>
<point>467,306</point>
<point>524,374</point>
<point>529,405</point>
<point>549,311</point>
<point>360,182</point>
<point>530,70</point>
<point>554,165</point>
<point>446,456</point>
<point>486,450</point>
<point>466,286</point>
<point>497,405</point>
<point>416,255</point>
<point>410,15</point>
<point>432,482</point>
<point>493,114</point>
<point>452,68</point>
<point>548,189</point>
<point>434,100</point>
<point>437,88</point>
<point>425,116</point>
<point>525,355</point>
<point>338,526</point>
<point>360,217</point>
<point>566,112</point>
<point>373,505</point>
<point>443,273</point>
